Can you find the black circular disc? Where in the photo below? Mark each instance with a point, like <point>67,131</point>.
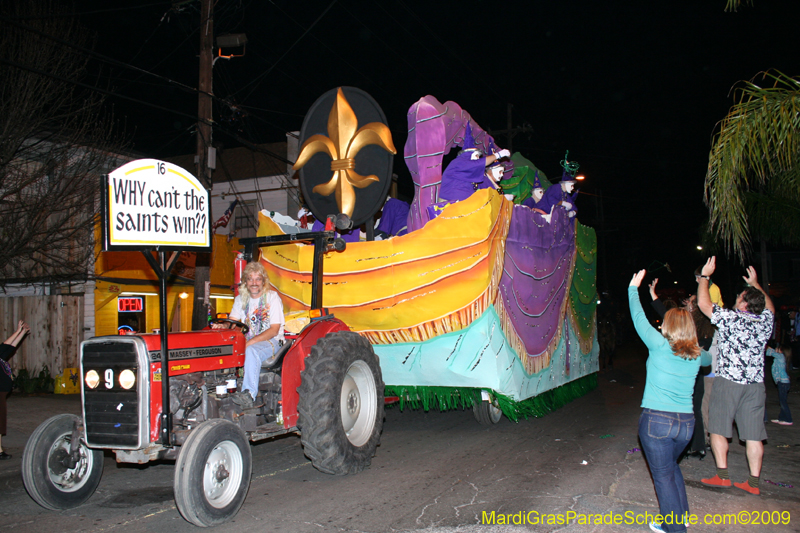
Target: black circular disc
<point>371,159</point>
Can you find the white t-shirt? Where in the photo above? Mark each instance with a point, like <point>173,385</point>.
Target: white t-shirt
<point>260,315</point>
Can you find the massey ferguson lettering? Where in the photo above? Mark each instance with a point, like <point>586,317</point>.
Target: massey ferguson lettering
<point>190,353</point>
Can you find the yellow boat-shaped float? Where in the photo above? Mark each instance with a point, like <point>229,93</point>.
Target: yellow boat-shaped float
<point>488,296</point>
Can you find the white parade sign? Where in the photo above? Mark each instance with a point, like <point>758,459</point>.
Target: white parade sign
<point>150,203</point>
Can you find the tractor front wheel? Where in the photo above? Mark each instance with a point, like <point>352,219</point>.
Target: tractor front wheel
<point>341,404</point>
<point>53,477</point>
<point>212,474</point>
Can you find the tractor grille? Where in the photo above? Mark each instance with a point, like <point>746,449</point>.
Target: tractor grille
<point>112,414</point>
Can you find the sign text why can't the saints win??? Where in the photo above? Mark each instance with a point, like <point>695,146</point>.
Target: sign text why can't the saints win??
<point>154,203</point>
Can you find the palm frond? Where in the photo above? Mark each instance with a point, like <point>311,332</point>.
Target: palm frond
<point>774,213</point>
<point>710,244</point>
<point>758,142</point>
<point>733,5</point>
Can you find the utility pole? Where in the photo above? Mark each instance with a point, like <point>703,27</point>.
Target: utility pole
<point>508,128</point>
<point>510,131</point>
<point>204,117</point>
<point>204,113</point>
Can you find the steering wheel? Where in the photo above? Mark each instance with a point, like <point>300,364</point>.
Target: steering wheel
<point>245,327</point>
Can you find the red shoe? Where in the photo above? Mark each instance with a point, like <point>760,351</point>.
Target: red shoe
<point>717,482</point>
<point>744,485</point>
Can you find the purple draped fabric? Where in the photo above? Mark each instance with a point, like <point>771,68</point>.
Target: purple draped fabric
<point>530,201</point>
<point>536,272</point>
<point>433,130</point>
<point>394,217</point>
<point>460,176</point>
<point>553,195</point>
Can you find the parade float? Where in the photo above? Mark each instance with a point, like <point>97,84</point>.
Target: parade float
<point>490,304</point>
<point>484,303</point>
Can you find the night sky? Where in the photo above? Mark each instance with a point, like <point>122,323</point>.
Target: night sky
<point>632,89</point>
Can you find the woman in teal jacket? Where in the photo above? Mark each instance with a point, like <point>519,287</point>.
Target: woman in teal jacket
<point>667,423</point>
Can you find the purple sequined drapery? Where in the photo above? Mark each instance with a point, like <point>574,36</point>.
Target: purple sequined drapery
<point>433,130</point>
<point>535,284</point>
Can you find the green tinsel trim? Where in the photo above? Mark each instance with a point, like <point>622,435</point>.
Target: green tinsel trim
<point>586,238</point>
<point>583,291</point>
<point>520,183</point>
<point>445,398</point>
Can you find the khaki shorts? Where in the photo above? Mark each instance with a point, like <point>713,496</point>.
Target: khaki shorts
<point>743,403</point>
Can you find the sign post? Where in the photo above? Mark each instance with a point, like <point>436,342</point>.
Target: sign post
<point>150,205</point>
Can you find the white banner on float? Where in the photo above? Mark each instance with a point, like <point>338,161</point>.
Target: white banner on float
<point>152,203</point>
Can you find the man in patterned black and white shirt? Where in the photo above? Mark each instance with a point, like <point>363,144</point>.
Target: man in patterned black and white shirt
<point>738,392</point>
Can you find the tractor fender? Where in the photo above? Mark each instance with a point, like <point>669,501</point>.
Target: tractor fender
<point>294,362</point>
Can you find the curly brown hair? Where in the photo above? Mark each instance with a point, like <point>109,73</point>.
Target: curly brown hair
<point>755,300</point>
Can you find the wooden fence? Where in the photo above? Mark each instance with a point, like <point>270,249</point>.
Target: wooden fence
<point>56,331</point>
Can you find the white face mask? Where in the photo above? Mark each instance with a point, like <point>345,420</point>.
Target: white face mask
<point>537,194</point>
<point>569,187</point>
<point>495,173</point>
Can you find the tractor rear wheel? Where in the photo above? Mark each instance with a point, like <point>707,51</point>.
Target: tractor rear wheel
<point>212,473</point>
<point>341,404</point>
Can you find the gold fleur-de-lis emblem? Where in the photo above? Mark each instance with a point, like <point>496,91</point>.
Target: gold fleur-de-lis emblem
<point>342,144</point>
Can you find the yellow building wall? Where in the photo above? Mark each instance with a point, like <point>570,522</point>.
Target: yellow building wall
<point>129,272</point>
<point>224,306</point>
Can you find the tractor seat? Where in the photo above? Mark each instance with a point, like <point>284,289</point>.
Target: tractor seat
<point>276,362</point>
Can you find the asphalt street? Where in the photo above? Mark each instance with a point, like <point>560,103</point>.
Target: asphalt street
<point>440,472</point>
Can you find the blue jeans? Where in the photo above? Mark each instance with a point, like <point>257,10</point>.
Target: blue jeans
<point>664,436</point>
<point>783,397</point>
<point>254,356</point>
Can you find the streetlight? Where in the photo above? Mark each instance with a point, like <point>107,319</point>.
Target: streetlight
<point>699,247</point>
<point>231,40</point>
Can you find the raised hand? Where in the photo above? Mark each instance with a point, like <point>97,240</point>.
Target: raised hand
<point>751,278</point>
<point>710,266</point>
<point>636,280</point>
<point>653,289</point>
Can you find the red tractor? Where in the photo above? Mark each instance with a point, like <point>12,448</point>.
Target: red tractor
<point>325,385</point>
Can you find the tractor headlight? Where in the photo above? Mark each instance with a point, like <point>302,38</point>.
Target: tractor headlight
<point>92,379</point>
<point>127,379</point>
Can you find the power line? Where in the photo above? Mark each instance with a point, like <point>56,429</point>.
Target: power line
<point>263,75</point>
<point>96,55</point>
<point>272,111</point>
<point>160,22</point>
<point>102,57</point>
<point>97,89</point>
<point>109,10</point>
<point>481,77</point>
<point>377,36</point>
<point>194,118</point>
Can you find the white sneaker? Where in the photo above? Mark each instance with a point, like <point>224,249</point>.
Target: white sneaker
<point>658,529</point>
